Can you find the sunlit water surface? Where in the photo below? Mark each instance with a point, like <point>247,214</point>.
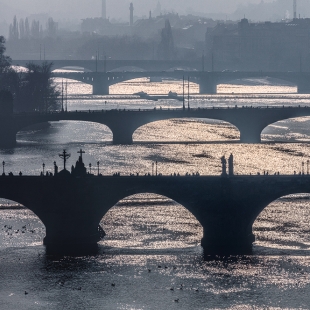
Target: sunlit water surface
<point>151,253</point>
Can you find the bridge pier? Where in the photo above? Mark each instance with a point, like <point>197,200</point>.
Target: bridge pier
<point>250,135</point>
<point>122,137</point>
<point>250,129</point>
<point>68,211</point>
<point>207,85</point>
<point>122,131</point>
<point>71,235</point>
<point>7,132</point>
<point>100,85</point>
<point>226,233</point>
<point>228,242</point>
<point>303,86</point>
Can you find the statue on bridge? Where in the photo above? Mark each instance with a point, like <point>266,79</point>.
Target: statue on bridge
<point>79,170</point>
<point>65,156</point>
<point>224,166</point>
<point>231,165</point>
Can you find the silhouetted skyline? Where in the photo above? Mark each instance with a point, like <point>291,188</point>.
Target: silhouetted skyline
<point>72,9</point>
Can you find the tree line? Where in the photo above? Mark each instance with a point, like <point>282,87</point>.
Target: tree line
<point>25,30</point>
<point>31,90</point>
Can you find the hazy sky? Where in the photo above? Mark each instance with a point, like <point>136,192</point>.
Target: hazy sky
<point>115,8</point>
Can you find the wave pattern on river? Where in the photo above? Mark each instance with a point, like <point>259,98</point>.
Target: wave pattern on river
<point>151,257</point>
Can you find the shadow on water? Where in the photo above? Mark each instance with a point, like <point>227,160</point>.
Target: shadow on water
<point>278,251</point>
<point>95,250</point>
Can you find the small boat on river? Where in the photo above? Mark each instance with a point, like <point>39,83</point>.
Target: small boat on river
<point>171,95</point>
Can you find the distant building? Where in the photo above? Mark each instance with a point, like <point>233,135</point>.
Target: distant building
<point>282,46</point>
<point>131,14</point>
<point>104,9</point>
<point>103,27</point>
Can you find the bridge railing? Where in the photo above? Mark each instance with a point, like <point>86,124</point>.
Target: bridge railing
<point>297,176</point>
<point>163,109</point>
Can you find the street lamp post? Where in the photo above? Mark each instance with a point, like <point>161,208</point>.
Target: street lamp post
<point>303,168</point>
<point>89,168</point>
<point>153,169</point>
<point>308,166</point>
<point>43,166</point>
<point>98,164</point>
<point>3,164</point>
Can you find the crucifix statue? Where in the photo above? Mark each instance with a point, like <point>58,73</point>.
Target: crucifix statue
<point>64,155</point>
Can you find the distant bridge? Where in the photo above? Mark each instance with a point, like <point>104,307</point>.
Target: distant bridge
<point>102,76</point>
<point>226,207</point>
<point>250,121</point>
<point>115,65</point>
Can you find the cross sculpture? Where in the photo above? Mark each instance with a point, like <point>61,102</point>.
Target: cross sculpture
<point>64,155</point>
<point>81,152</point>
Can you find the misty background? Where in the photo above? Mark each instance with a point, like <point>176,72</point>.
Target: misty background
<point>70,12</point>
<point>159,30</point>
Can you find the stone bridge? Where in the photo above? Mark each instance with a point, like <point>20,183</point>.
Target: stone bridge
<point>71,208</point>
<point>250,121</point>
<point>101,81</point>
<point>207,81</point>
<point>102,74</point>
<point>114,65</point>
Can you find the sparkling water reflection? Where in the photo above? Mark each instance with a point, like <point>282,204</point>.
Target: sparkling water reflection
<point>151,257</point>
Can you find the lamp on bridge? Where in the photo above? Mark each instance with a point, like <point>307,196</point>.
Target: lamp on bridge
<point>3,164</point>
<point>98,164</point>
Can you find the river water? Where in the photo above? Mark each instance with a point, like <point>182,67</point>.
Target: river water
<point>151,256</point>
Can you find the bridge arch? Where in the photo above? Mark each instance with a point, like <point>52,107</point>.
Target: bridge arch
<point>131,85</point>
<point>283,224</point>
<point>20,224</point>
<point>74,86</point>
<point>149,220</point>
<point>281,130</point>
<point>69,131</point>
<point>260,84</point>
<point>186,130</point>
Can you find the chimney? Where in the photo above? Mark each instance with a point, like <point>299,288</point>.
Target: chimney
<point>295,9</point>
<point>131,14</point>
<point>104,9</point>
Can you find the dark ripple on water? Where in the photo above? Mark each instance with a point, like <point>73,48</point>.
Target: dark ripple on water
<point>151,257</point>
<point>152,260</point>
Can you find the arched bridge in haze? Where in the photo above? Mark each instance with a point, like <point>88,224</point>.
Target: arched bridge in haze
<point>250,121</point>
<point>71,208</point>
<point>102,74</point>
